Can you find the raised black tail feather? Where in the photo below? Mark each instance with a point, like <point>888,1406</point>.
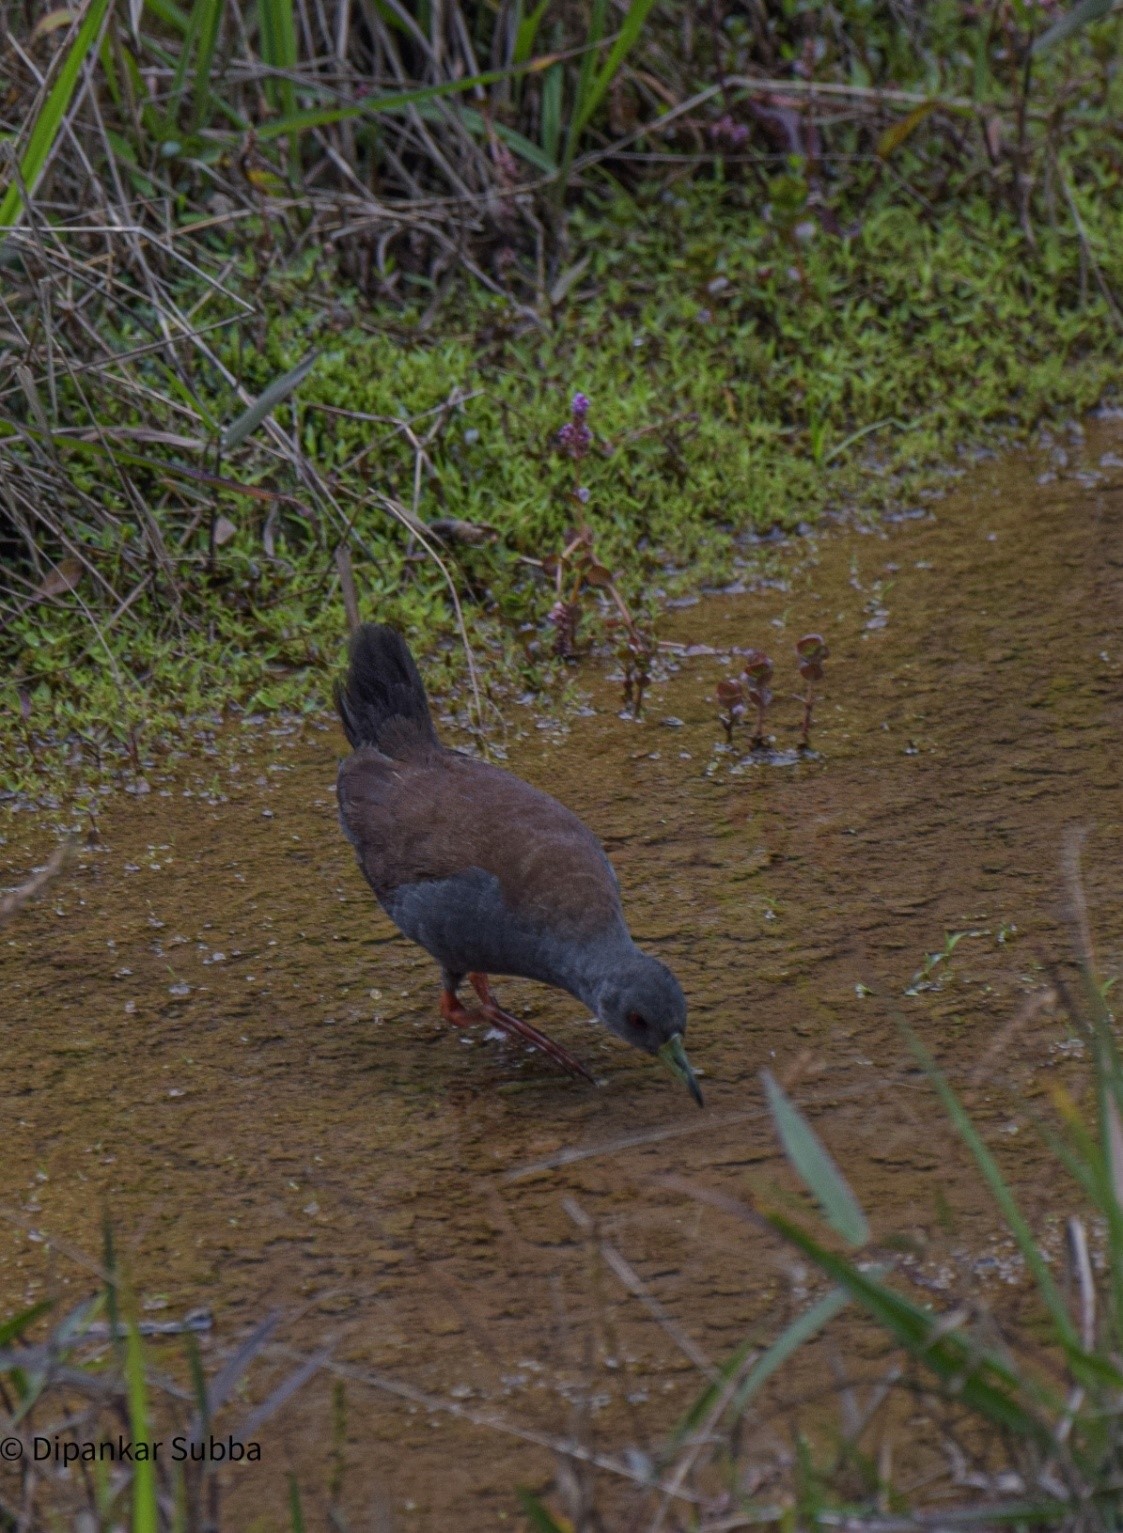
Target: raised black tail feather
<point>382,702</point>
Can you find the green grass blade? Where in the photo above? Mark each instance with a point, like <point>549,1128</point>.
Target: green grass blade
<point>697,1412</point>
<point>552,111</point>
<point>198,47</point>
<point>278,49</point>
<point>145,1518</point>
<point>1072,21</point>
<point>801,1330</point>
<point>173,16</point>
<point>267,401</point>
<point>474,122</point>
<point>1050,1293</point>
<point>46,126</point>
<point>538,1516</point>
<point>587,73</point>
<point>1106,1163</point>
<point>526,33</point>
<point>15,1327</point>
<point>392,101</point>
<point>638,12</point>
<point>109,1264</point>
<point>804,1149</point>
<point>175,93</point>
<point>296,1510</point>
<point>981,1379</point>
<point>208,41</point>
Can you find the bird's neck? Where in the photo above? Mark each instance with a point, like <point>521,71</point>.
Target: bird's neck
<point>598,965</point>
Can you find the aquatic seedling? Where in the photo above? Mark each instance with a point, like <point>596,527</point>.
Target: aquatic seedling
<point>812,651</point>
<point>575,570</point>
<point>758,690</point>
<point>635,652</point>
<point>731,696</point>
<point>570,570</point>
<point>752,686</point>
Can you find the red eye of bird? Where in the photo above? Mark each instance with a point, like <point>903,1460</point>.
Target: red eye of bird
<point>637,1021</point>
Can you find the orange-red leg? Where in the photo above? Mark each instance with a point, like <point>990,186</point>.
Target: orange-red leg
<point>453,1011</point>
<point>517,1028</point>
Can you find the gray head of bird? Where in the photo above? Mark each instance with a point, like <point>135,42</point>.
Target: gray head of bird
<point>642,1003</point>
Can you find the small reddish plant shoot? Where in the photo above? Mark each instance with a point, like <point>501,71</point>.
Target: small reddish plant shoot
<point>754,688</point>
<point>813,652</point>
<point>576,569</point>
<point>758,690</point>
<point>570,571</point>
<point>731,696</point>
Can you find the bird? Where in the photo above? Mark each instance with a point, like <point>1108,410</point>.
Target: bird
<point>489,875</point>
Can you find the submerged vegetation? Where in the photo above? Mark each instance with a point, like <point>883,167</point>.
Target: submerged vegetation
<point>295,299</point>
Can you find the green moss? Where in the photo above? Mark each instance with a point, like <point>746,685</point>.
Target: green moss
<point>734,373</point>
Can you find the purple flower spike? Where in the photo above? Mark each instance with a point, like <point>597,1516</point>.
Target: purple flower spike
<point>583,495</point>
<point>575,439</point>
<point>580,406</point>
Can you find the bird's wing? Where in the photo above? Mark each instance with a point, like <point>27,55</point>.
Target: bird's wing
<point>416,821</point>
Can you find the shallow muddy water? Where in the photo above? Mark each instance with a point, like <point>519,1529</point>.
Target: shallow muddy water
<point>210,1029</point>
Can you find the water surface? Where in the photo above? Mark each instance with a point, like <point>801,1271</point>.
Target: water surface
<point>209,1028</point>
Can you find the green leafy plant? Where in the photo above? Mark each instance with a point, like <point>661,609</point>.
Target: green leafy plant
<point>47,123</point>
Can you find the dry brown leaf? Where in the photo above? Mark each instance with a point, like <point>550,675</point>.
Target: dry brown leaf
<point>64,577</point>
<point>456,531</point>
<point>51,22</point>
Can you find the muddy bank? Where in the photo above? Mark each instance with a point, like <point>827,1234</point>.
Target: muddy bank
<point>210,1030</point>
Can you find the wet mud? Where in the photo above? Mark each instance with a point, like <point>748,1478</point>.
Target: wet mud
<point>210,1031</point>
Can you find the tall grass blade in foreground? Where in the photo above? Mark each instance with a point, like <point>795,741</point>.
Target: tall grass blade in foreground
<point>805,1150</point>
<point>593,86</point>
<point>46,126</point>
<point>278,49</point>
<point>145,1513</point>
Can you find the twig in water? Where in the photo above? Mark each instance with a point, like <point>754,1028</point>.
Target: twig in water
<point>15,899</point>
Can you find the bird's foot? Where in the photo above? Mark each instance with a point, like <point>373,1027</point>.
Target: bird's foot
<point>517,1028</point>
<point>453,1011</point>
